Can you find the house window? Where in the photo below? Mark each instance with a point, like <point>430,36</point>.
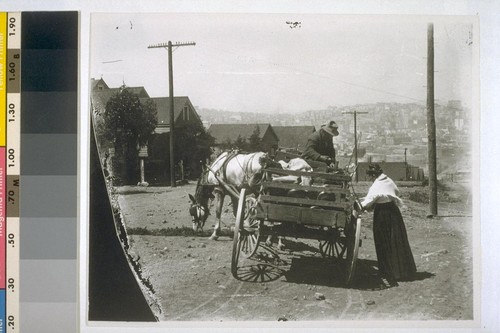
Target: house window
<point>185,113</point>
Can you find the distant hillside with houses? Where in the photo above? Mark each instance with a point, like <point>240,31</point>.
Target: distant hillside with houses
<point>389,132</point>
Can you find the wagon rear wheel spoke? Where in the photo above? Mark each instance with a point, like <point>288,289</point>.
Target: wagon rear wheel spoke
<point>333,248</point>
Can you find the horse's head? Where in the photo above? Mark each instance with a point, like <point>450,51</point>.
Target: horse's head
<point>199,214</point>
<point>198,208</point>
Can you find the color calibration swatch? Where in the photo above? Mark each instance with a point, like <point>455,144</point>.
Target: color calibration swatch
<point>38,171</point>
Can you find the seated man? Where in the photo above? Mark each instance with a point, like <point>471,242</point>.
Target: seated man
<point>319,145</point>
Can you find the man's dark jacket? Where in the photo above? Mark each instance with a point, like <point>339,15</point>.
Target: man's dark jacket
<point>319,143</point>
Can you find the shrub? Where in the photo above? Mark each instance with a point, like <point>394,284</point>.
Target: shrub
<point>419,196</point>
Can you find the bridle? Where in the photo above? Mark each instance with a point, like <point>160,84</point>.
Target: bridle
<point>199,214</point>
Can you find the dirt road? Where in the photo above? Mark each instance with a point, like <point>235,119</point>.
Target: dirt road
<point>191,277</point>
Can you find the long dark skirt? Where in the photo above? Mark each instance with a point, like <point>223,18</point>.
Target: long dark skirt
<point>395,260</point>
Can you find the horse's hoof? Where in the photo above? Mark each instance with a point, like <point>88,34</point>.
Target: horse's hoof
<point>214,237</point>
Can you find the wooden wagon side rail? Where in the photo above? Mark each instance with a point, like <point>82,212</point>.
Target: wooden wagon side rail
<point>318,189</point>
<point>300,231</point>
<point>343,206</point>
<point>273,212</point>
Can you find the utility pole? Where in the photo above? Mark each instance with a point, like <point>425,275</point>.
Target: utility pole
<point>355,113</point>
<point>407,170</point>
<point>171,95</point>
<point>431,122</point>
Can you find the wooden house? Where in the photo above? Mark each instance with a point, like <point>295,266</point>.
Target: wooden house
<point>157,153</point>
<point>158,162</point>
<point>230,132</point>
<point>101,94</point>
<point>184,113</point>
<point>293,137</point>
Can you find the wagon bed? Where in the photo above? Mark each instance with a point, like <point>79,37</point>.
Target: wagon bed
<point>322,211</point>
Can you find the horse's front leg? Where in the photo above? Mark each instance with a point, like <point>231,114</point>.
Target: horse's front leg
<point>234,202</point>
<point>219,201</point>
<point>269,242</point>
<point>281,245</point>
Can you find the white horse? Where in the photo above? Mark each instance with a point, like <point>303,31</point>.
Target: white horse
<point>227,175</point>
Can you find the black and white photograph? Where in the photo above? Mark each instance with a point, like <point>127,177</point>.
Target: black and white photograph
<point>269,168</point>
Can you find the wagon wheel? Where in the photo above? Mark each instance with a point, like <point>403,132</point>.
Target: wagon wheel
<point>250,231</point>
<point>246,230</point>
<point>353,243</point>
<point>333,248</point>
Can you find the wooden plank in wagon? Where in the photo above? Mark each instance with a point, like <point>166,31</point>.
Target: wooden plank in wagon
<point>289,186</point>
<point>301,215</point>
<point>308,202</point>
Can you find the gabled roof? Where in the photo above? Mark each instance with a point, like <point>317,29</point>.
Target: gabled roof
<point>223,132</point>
<point>101,97</point>
<point>293,136</point>
<point>163,108</point>
<point>141,91</point>
<point>94,83</point>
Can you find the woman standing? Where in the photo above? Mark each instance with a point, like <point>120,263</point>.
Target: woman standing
<point>395,259</point>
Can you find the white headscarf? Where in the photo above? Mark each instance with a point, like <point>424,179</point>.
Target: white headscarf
<point>383,190</point>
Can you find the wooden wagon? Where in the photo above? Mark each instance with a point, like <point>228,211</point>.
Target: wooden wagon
<point>321,211</point>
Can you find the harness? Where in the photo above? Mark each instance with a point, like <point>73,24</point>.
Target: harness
<point>221,173</point>
<point>232,154</point>
<point>247,179</point>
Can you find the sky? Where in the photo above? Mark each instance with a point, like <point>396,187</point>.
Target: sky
<point>263,63</point>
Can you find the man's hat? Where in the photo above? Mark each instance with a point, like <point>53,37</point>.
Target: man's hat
<point>374,169</point>
<point>331,128</point>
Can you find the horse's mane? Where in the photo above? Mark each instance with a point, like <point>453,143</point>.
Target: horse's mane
<point>203,192</point>
<point>199,189</point>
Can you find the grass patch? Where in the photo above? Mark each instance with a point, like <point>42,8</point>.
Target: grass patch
<point>419,196</point>
<point>444,195</point>
<point>184,231</point>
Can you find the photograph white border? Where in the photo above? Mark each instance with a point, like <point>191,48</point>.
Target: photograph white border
<point>486,147</point>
